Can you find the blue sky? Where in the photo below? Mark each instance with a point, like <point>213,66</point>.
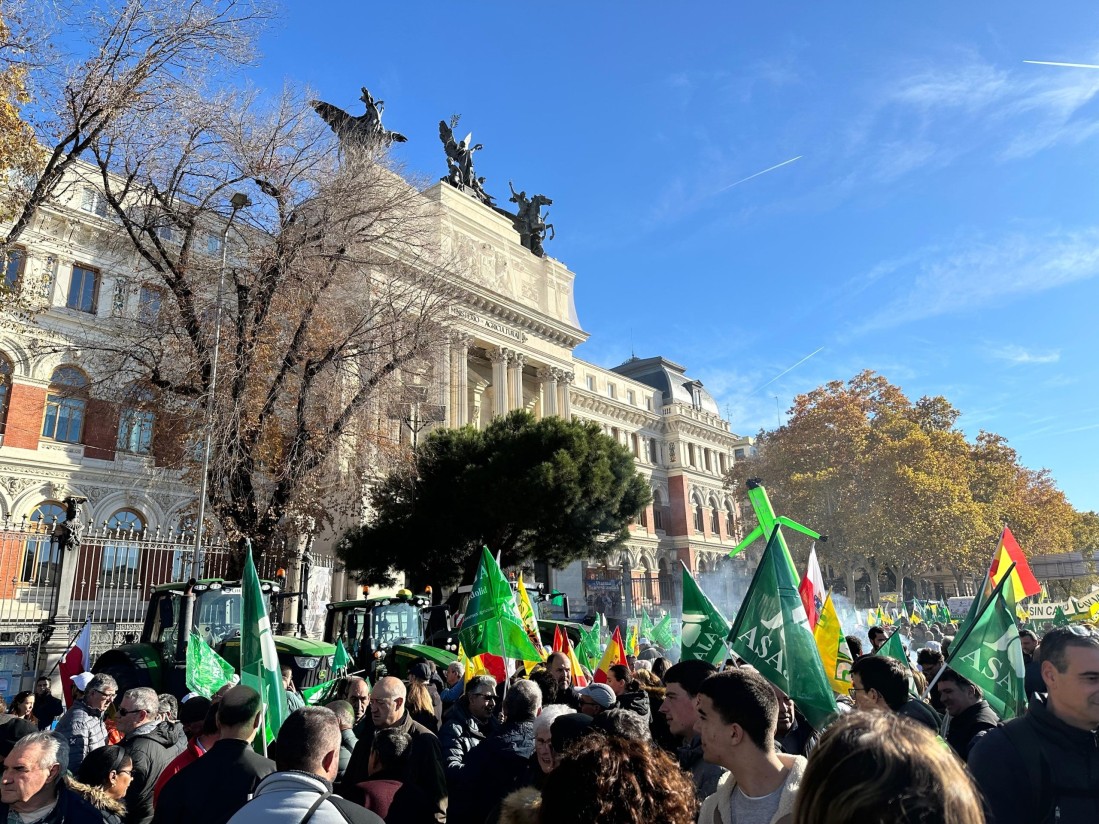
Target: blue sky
<point>940,226</point>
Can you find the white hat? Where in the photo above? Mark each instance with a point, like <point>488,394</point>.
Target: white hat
<point>82,680</point>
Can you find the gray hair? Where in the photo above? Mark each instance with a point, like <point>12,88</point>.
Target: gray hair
<point>102,683</point>
<point>344,712</point>
<point>550,714</point>
<point>457,666</point>
<point>522,702</point>
<point>145,699</point>
<point>480,681</point>
<point>54,749</point>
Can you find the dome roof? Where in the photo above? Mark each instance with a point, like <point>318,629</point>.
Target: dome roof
<point>671,379</point>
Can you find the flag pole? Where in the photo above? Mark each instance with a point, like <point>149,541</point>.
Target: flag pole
<point>68,649</point>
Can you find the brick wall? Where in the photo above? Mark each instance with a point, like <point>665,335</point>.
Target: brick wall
<point>28,405</point>
<point>101,429</point>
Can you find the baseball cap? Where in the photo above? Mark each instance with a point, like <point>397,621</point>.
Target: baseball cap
<point>82,680</point>
<point>601,694</point>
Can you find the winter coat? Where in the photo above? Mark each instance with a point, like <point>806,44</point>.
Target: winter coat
<point>491,771</point>
<point>706,776</point>
<point>716,807</point>
<point>47,708</point>
<point>347,746</point>
<point>1033,682</point>
<point>968,725</point>
<point>395,801</point>
<point>286,797</point>
<point>423,770</point>
<point>189,756</point>
<point>85,731</point>
<point>636,701</point>
<point>151,752</point>
<point>922,713</point>
<point>521,807</point>
<point>79,804</point>
<point>215,786</point>
<point>461,732</point>
<point>1038,769</point>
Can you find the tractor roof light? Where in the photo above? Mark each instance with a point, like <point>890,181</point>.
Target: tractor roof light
<point>404,594</point>
<point>366,591</point>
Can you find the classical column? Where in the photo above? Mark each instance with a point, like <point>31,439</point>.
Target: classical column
<point>515,380</point>
<point>460,353</point>
<point>565,381</point>
<point>548,377</point>
<point>499,358</point>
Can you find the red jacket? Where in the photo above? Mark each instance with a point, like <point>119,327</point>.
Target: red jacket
<point>190,755</point>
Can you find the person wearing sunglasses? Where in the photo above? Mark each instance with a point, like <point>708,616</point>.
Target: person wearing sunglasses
<point>468,723</point>
<point>109,770</point>
<point>150,742</point>
<point>83,726</point>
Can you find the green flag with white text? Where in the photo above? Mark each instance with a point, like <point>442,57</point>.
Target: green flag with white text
<point>492,623</point>
<point>662,633</point>
<point>704,627</point>
<point>771,632</point>
<point>259,661</point>
<point>991,656</point>
<point>207,672</point>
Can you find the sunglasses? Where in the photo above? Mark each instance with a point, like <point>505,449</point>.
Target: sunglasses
<point>123,712</point>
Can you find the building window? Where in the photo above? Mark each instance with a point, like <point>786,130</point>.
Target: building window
<point>14,266</point>
<point>649,404</point>
<point>738,454</point>
<point>5,389</point>
<point>631,398</point>
<point>121,556</point>
<point>635,444</point>
<point>94,202</point>
<point>610,390</point>
<point>724,466</point>
<point>706,458</point>
<point>66,404</point>
<point>658,517</point>
<point>729,521</point>
<point>691,454</point>
<point>83,289</point>
<point>148,304</point>
<point>41,555</point>
<point>135,426</point>
<point>699,523</point>
<point>652,451</point>
<point>590,380</point>
<point>714,525</point>
<point>645,518</point>
<point>165,233</point>
<point>213,244</point>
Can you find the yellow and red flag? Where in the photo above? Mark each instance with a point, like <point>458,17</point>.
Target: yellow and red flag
<point>1023,582</point>
<point>615,654</point>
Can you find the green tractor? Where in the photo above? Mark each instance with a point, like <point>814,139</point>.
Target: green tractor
<point>386,635</point>
<point>212,608</point>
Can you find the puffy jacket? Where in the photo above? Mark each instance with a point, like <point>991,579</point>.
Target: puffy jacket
<point>964,729</point>
<point>151,752</point>
<point>706,776</point>
<point>1038,769</point>
<point>716,807</point>
<point>85,731</point>
<point>461,732</point>
<point>637,702</point>
<point>286,797</point>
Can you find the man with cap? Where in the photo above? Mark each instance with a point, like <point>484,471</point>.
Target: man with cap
<point>82,727</point>
<point>595,698</point>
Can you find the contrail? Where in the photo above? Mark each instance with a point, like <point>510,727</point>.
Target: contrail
<point>787,371</point>
<point>757,174</point>
<point>1066,65</point>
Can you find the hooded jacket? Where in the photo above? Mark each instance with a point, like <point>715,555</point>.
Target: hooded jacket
<point>461,732</point>
<point>84,730</point>
<point>706,776</point>
<point>151,751</point>
<point>968,725</point>
<point>715,809</point>
<point>286,798</point>
<point>1064,760</point>
<point>636,701</point>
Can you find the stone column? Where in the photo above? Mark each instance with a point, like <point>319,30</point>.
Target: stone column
<point>565,407</point>
<point>548,377</point>
<point>515,380</point>
<point>499,358</point>
<point>459,351</point>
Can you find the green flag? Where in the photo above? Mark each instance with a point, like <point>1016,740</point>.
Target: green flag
<point>894,648</point>
<point>341,658</point>
<point>771,632</point>
<point>662,633</point>
<point>207,672</point>
<point>590,646</point>
<point>320,693</point>
<point>1059,618</point>
<point>259,661</point>
<point>646,626</point>
<point>704,627</point>
<point>492,623</point>
<point>991,656</point>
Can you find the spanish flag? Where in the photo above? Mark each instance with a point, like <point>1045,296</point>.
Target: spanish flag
<point>615,654</point>
<point>1023,582</point>
<point>561,643</point>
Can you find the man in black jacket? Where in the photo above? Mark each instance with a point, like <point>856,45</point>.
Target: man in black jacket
<point>467,723</point>
<point>1044,766</point>
<point>880,683</point>
<point>215,786</point>
<point>151,744</point>
<point>47,706</point>
<point>970,715</point>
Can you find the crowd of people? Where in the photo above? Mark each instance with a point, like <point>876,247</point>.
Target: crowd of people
<point>657,742</point>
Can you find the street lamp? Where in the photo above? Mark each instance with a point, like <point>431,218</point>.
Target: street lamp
<point>238,201</point>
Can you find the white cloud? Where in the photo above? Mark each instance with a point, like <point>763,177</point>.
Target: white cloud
<point>1018,356</point>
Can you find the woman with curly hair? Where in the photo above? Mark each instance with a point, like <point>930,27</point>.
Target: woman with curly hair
<point>882,768</point>
<point>615,780</point>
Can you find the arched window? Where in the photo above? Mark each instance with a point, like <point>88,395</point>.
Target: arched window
<point>135,424</point>
<point>5,389</point>
<point>66,404</point>
<point>121,556</point>
<point>714,517</point>
<point>730,521</point>
<point>647,584</point>
<point>40,553</point>
<point>699,522</point>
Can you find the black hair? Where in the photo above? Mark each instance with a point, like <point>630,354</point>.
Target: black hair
<point>305,738</point>
<point>854,643</point>
<point>623,723</point>
<point>97,766</point>
<point>875,630</point>
<point>689,675</point>
<point>745,697</point>
<point>1057,640</point>
<point>391,748</point>
<point>960,680</point>
<point>888,677</point>
<point>238,707</point>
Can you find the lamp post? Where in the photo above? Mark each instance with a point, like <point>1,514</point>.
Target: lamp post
<point>238,201</point>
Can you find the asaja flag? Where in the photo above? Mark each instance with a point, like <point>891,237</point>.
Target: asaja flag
<point>662,633</point>
<point>530,622</point>
<point>319,694</point>
<point>76,660</point>
<point>341,659</point>
<point>589,645</point>
<point>991,656</point>
<point>259,660</point>
<point>1023,582</point>
<point>704,627</point>
<point>811,589</point>
<point>492,623</point>
<point>1059,618</point>
<point>647,627</point>
<point>614,654</point>
<point>207,672</point>
<point>772,634</point>
<point>832,646</point>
